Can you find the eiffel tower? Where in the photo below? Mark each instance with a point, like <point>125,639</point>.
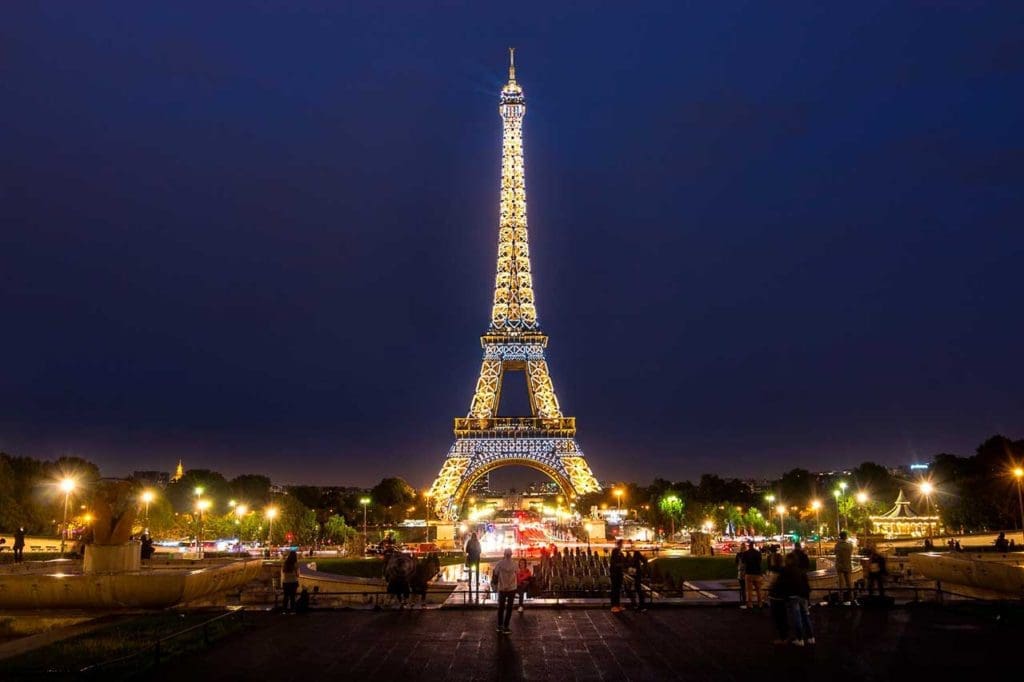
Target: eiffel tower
<point>513,342</point>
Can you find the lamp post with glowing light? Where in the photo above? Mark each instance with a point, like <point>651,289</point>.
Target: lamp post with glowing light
<point>147,497</point>
<point>770,499</point>
<point>1018,475</point>
<point>201,506</point>
<point>837,494</point>
<point>816,506</point>
<point>365,501</point>
<point>618,499</point>
<point>862,500</point>
<point>426,512</point>
<point>781,509</point>
<point>270,513</point>
<point>927,489</point>
<point>67,485</point>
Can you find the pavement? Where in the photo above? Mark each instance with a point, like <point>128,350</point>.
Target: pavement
<point>718,643</point>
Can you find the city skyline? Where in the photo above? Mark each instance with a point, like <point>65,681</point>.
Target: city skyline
<point>270,249</point>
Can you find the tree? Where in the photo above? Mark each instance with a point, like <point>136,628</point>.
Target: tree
<point>306,494</point>
<point>251,489</point>
<point>182,494</point>
<point>336,530</point>
<point>392,492</point>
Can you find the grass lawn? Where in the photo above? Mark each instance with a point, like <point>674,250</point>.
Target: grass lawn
<point>368,568</point>
<point>122,638</point>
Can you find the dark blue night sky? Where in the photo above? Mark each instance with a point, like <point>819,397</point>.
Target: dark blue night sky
<point>262,238</point>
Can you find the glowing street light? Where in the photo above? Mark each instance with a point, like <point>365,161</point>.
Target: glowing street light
<point>365,501</point>
<point>1018,475</point>
<point>837,494</point>
<point>816,506</point>
<point>426,511</point>
<point>781,509</point>
<point>271,514</point>
<point>862,497</point>
<point>241,509</point>
<point>927,489</point>
<point>618,498</point>
<point>67,485</point>
<point>147,497</point>
<point>201,506</point>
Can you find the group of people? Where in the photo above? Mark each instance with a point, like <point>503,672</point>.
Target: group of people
<point>623,563</point>
<point>788,593</point>
<point>509,579</point>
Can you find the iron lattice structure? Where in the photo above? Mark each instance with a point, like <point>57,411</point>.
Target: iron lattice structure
<point>513,342</point>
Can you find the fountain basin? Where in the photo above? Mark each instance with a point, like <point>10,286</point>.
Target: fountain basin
<point>147,588</point>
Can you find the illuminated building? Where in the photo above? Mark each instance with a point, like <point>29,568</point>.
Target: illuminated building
<point>179,472</point>
<point>513,342</point>
<point>901,521</point>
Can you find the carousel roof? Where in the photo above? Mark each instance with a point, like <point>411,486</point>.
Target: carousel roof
<point>900,511</point>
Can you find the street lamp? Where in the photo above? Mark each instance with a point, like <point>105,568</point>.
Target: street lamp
<point>837,494</point>
<point>770,499</point>
<point>816,506</point>
<point>270,513</point>
<point>426,511</point>
<point>364,501</point>
<point>201,506</point>
<point>67,485</point>
<point>927,489</point>
<point>781,509</point>
<point>618,499</point>
<point>147,497</point>
<point>1018,475</point>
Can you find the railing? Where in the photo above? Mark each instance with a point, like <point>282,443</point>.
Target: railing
<point>520,426</point>
<point>156,647</point>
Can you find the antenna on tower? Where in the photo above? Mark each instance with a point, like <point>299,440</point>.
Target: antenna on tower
<point>511,63</point>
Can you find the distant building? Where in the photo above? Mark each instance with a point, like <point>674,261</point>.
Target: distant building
<point>178,472</point>
<point>154,479</point>
<point>481,486</point>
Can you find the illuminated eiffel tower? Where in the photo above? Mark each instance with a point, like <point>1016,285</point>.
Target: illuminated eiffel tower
<point>513,342</point>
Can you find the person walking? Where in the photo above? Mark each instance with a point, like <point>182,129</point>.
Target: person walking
<point>19,545</point>
<point>797,592</point>
<point>473,564</point>
<point>753,575</point>
<point>503,581</point>
<point>290,580</point>
<point>844,568</point>
<point>523,579</point>
<point>616,569</point>
<point>637,566</point>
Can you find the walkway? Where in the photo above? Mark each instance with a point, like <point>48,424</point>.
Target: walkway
<point>567,644</point>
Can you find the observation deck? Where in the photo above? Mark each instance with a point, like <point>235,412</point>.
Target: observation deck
<point>515,427</point>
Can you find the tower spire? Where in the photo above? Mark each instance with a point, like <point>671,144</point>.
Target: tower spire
<point>513,309</point>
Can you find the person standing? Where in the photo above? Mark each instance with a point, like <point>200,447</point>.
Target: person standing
<point>19,545</point>
<point>503,581</point>
<point>741,577</point>
<point>523,578</point>
<point>616,569</point>
<point>797,592</point>
<point>473,564</point>
<point>802,559</point>
<point>638,563</point>
<point>753,574</point>
<point>290,580</point>
<point>876,573</point>
<point>844,568</point>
